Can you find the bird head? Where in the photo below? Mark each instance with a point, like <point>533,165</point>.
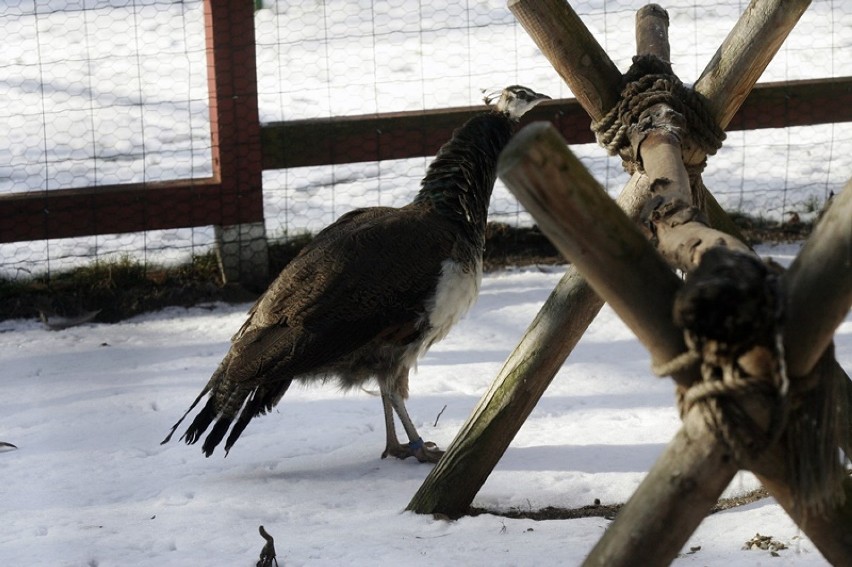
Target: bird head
<point>515,101</point>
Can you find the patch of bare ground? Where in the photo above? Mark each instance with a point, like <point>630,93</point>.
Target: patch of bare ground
<point>606,511</point>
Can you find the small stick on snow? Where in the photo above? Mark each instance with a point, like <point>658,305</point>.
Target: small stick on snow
<point>440,413</point>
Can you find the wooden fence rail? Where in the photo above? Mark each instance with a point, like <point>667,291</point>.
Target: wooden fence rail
<point>232,196</point>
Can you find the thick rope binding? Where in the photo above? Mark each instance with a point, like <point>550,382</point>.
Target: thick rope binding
<point>731,316</point>
<point>651,81</point>
<point>731,313</point>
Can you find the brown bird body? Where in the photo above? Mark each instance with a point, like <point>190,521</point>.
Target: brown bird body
<point>370,294</point>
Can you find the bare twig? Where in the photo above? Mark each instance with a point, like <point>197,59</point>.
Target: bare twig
<point>440,413</point>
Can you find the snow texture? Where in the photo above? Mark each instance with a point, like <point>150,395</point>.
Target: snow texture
<point>90,484</point>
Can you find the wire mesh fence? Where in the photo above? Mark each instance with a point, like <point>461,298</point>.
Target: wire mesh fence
<point>103,92</point>
<point>100,93</point>
<point>399,55</point>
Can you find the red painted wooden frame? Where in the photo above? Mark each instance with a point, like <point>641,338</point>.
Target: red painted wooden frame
<point>232,196</point>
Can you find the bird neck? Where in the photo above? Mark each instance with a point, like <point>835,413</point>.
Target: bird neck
<point>459,181</point>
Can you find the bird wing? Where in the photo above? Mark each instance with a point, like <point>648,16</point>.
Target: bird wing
<point>368,275</point>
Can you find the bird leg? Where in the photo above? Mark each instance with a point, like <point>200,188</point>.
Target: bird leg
<point>425,452</point>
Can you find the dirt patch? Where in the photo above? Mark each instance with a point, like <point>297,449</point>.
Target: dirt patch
<point>507,245</point>
<point>606,511</point>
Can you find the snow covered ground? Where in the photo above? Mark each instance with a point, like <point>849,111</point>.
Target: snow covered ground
<point>90,485</point>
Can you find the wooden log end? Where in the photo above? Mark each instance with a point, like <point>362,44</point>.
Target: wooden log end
<point>520,145</point>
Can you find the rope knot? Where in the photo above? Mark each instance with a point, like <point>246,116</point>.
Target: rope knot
<point>730,313</point>
<point>648,82</point>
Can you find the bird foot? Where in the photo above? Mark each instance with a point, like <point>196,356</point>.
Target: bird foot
<point>425,452</point>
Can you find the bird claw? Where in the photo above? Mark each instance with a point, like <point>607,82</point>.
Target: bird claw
<point>427,452</point>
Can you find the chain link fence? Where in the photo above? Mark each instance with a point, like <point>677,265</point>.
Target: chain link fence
<point>102,92</point>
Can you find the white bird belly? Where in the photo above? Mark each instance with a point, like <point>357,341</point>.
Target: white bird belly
<point>456,292</point>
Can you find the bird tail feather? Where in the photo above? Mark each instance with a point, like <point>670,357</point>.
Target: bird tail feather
<point>186,413</point>
<point>243,405</point>
<point>261,401</point>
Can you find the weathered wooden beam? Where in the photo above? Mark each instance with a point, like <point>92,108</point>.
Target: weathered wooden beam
<point>744,54</point>
<point>819,286</point>
<point>573,51</point>
<point>393,135</point>
<point>538,167</point>
<point>795,103</point>
<point>672,500</point>
<point>451,486</point>
<point>652,32</point>
<point>399,135</point>
<point>110,209</point>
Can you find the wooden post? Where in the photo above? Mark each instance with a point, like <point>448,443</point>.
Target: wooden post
<point>819,286</point>
<point>673,499</point>
<point>744,54</point>
<point>452,485</point>
<point>652,32</point>
<point>573,51</point>
<point>235,129</point>
<point>577,218</point>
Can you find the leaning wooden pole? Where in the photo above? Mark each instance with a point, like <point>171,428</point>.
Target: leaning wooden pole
<point>584,226</point>
<point>819,286</point>
<point>734,70</point>
<point>451,486</point>
<point>573,51</point>
<point>818,297</point>
<point>744,54</point>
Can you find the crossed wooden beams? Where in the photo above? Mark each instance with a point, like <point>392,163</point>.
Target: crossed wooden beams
<point>618,264</point>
